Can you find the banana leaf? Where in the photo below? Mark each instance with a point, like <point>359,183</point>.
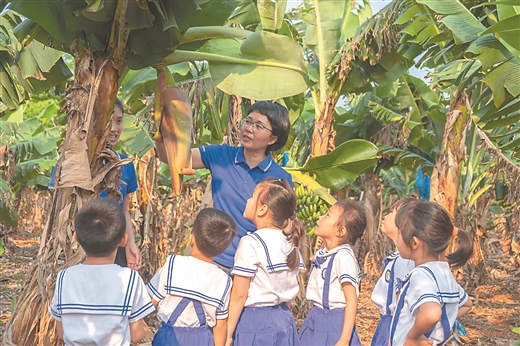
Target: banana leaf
<point>343,165</point>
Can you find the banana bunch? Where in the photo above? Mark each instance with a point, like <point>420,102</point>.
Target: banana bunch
<point>309,207</point>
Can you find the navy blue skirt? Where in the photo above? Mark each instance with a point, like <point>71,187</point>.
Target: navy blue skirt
<point>270,325</point>
<point>382,334</point>
<point>324,327</point>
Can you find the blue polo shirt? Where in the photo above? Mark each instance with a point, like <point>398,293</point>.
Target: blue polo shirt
<point>128,179</point>
<point>233,183</point>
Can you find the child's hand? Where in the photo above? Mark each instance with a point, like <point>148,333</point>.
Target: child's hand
<point>229,342</point>
<point>343,342</point>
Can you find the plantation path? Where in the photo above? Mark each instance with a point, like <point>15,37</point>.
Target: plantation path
<point>496,305</point>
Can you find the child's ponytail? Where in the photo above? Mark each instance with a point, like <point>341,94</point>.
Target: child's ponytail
<point>280,198</point>
<point>296,236</point>
<point>462,255</point>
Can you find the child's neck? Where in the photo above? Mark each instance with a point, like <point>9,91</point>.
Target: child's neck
<point>90,260</point>
<point>331,243</point>
<point>425,258</point>
<point>200,256</point>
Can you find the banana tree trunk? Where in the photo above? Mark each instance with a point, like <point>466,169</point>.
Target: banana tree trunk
<point>374,244</point>
<point>446,174</point>
<point>323,134</point>
<point>88,109</point>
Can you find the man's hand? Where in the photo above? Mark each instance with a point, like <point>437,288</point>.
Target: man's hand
<point>133,256</point>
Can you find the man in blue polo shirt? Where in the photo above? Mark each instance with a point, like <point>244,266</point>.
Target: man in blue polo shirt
<point>235,171</point>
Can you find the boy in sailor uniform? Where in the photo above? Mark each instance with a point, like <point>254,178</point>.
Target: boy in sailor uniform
<point>98,302</point>
<point>430,299</point>
<point>395,270</point>
<point>191,293</point>
<point>334,279</point>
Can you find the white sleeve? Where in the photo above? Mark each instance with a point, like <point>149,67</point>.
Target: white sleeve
<point>463,296</point>
<point>422,289</point>
<point>53,308</point>
<point>157,285</point>
<point>142,305</point>
<point>223,313</point>
<point>346,268</point>
<point>246,259</point>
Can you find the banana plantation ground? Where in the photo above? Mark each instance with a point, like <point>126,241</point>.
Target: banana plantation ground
<point>496,300</point>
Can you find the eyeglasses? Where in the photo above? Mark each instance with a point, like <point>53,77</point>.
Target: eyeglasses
<point>256,126</point>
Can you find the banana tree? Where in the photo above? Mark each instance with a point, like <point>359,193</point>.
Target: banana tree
<point>107,38</point>
<point>473,48</point>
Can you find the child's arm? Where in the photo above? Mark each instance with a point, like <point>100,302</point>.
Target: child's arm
<point>137,331</point>
<point>59,329</point>
<point>465,308</point>
<point>428,314</point>
<point>236,304</point>
<point>350,313</point>
<point>219,332</point>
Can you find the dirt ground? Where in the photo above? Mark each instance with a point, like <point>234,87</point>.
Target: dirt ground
<point>496,304</point>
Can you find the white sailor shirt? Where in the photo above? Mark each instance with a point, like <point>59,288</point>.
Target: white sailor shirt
<point>187,276</point>
<point>429,282</point>
<point>345,268</point>
<point>395,270</point>
<point>262,256</point>
<point>96,304</point>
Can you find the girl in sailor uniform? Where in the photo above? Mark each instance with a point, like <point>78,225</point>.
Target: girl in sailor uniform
<point>395,268</point>
<point>266,268</point>
<point>191,293</point>
<point>98,302</point>
<point>334,279</point>
<point>430,299</point>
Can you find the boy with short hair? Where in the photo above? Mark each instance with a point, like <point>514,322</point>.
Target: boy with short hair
<point>98,302</point>
<point>191,292</point>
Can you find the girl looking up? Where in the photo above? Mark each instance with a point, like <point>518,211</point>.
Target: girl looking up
<point>266,269</point>
<point>334,278</point>
<point>395,269</point>
<point>430,298</point>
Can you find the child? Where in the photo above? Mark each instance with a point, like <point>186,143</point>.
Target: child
<point>192,293</point>
<point>430,298</point>
<point>395,269</point>
<point>334,279</point>
<point>98,302</point>
<point>266,269</point>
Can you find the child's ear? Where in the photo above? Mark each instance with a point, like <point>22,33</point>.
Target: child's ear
<point>123,241</point>
<point>415,243</point>
<point>262,210</point>
<point>341,232</point>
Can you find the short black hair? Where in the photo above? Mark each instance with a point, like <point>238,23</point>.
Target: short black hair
<point>213,230</point>
<point>100,225</point>
<point>278,118</point>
